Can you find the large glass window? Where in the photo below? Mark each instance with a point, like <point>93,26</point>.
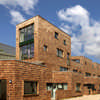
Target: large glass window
<point>30,87</point>
<point>27,33</point>
<point>27,42</point>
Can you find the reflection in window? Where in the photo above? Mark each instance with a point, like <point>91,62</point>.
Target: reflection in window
<point>59,52</point>
<point>27,51</point>
<point>30,87</point>
<point>27,33</point>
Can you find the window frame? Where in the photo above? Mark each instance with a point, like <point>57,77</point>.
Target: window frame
<point>56,35</point>
<point>37,87</point>
<point>60,53</point>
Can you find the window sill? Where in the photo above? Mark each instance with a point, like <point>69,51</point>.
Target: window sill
<point>29,95</point>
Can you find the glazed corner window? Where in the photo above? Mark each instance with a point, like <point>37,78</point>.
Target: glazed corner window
<point>78,87</point>
<point>64,42</point>
<point>56,35</point>
<point>59,52</point>
<point>63,69</point>
<point>45,48</point>
<point>27,42</point>
<point>30,87</point>
<point>27,33</point>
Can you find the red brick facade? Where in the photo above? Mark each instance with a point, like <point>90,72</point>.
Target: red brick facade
<point>45,66</point>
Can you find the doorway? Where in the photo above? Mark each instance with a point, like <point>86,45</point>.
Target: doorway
<point>3,89</point>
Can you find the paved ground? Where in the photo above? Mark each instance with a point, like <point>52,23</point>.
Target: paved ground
<point>89,97</point>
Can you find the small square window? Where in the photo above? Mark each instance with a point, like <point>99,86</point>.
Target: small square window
<point>64,42</point>
<point>56,35</point>
<point>45,48</point>
<point>30,87</point>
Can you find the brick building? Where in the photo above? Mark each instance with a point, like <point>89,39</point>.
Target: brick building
<point>44,67</point>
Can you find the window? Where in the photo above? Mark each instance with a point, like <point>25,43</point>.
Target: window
<point>45,48</point>
<point>74,70</point>
<point>99,76</point>
<point>64,42</point>
<point>30,87</point>
<point>78,87</point>
<point>65,85</point>
<point>27,33</point>
<point>56,35</point>
<point>63,69</point>
<point>92,66</point>
<point>27,51</point>
<point>59,52</point>
<point>76,60</point>
<point>68,59</point>
<point>87,74</point>
<point>27,42</point>
<point>85,63</point>
<point>99,86</point>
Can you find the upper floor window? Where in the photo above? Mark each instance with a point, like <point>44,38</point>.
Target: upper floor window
<point>45,47</point>
<point>27,51</point>
<point>74,70</point>
<point>63,69</point>
<point>87,74</point>
<point>68,59</point>
<point>30,87</point>
<point>64,42</point>
<point>56,35</point>
<point>59,52</point>
<point>27,33</point>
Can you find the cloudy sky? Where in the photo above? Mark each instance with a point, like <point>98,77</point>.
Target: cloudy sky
<point>78,18</point>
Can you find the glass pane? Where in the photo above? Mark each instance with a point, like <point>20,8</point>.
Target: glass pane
<point>30,87</point>
<point>65,86</point>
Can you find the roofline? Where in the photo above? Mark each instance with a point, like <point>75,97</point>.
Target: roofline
<point>22,61</point>
<point>47,21</point>
<point>86,58</point>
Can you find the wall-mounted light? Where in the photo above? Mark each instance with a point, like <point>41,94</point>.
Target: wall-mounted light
<point>10,81</point>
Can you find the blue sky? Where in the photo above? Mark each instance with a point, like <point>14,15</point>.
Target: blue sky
<point>79,18</point>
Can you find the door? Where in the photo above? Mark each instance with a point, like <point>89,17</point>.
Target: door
<point>54,90</point>
<point>2,89</point>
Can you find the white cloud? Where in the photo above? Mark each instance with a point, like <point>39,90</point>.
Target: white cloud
<point>86,40</point>
<point>16,17</point>
<point>26,5</point>
<point>17,6</point>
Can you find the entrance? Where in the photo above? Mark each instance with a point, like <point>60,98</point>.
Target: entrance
<point>3,89</point>
<point>91,88</point>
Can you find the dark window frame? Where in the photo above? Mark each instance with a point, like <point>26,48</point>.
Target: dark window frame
<point>33,91</point>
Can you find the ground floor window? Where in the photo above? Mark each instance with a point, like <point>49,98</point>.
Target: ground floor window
<point>99,86</point>
<point>63,86</point>
<point>78,87</point>
<point>30,87</point>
